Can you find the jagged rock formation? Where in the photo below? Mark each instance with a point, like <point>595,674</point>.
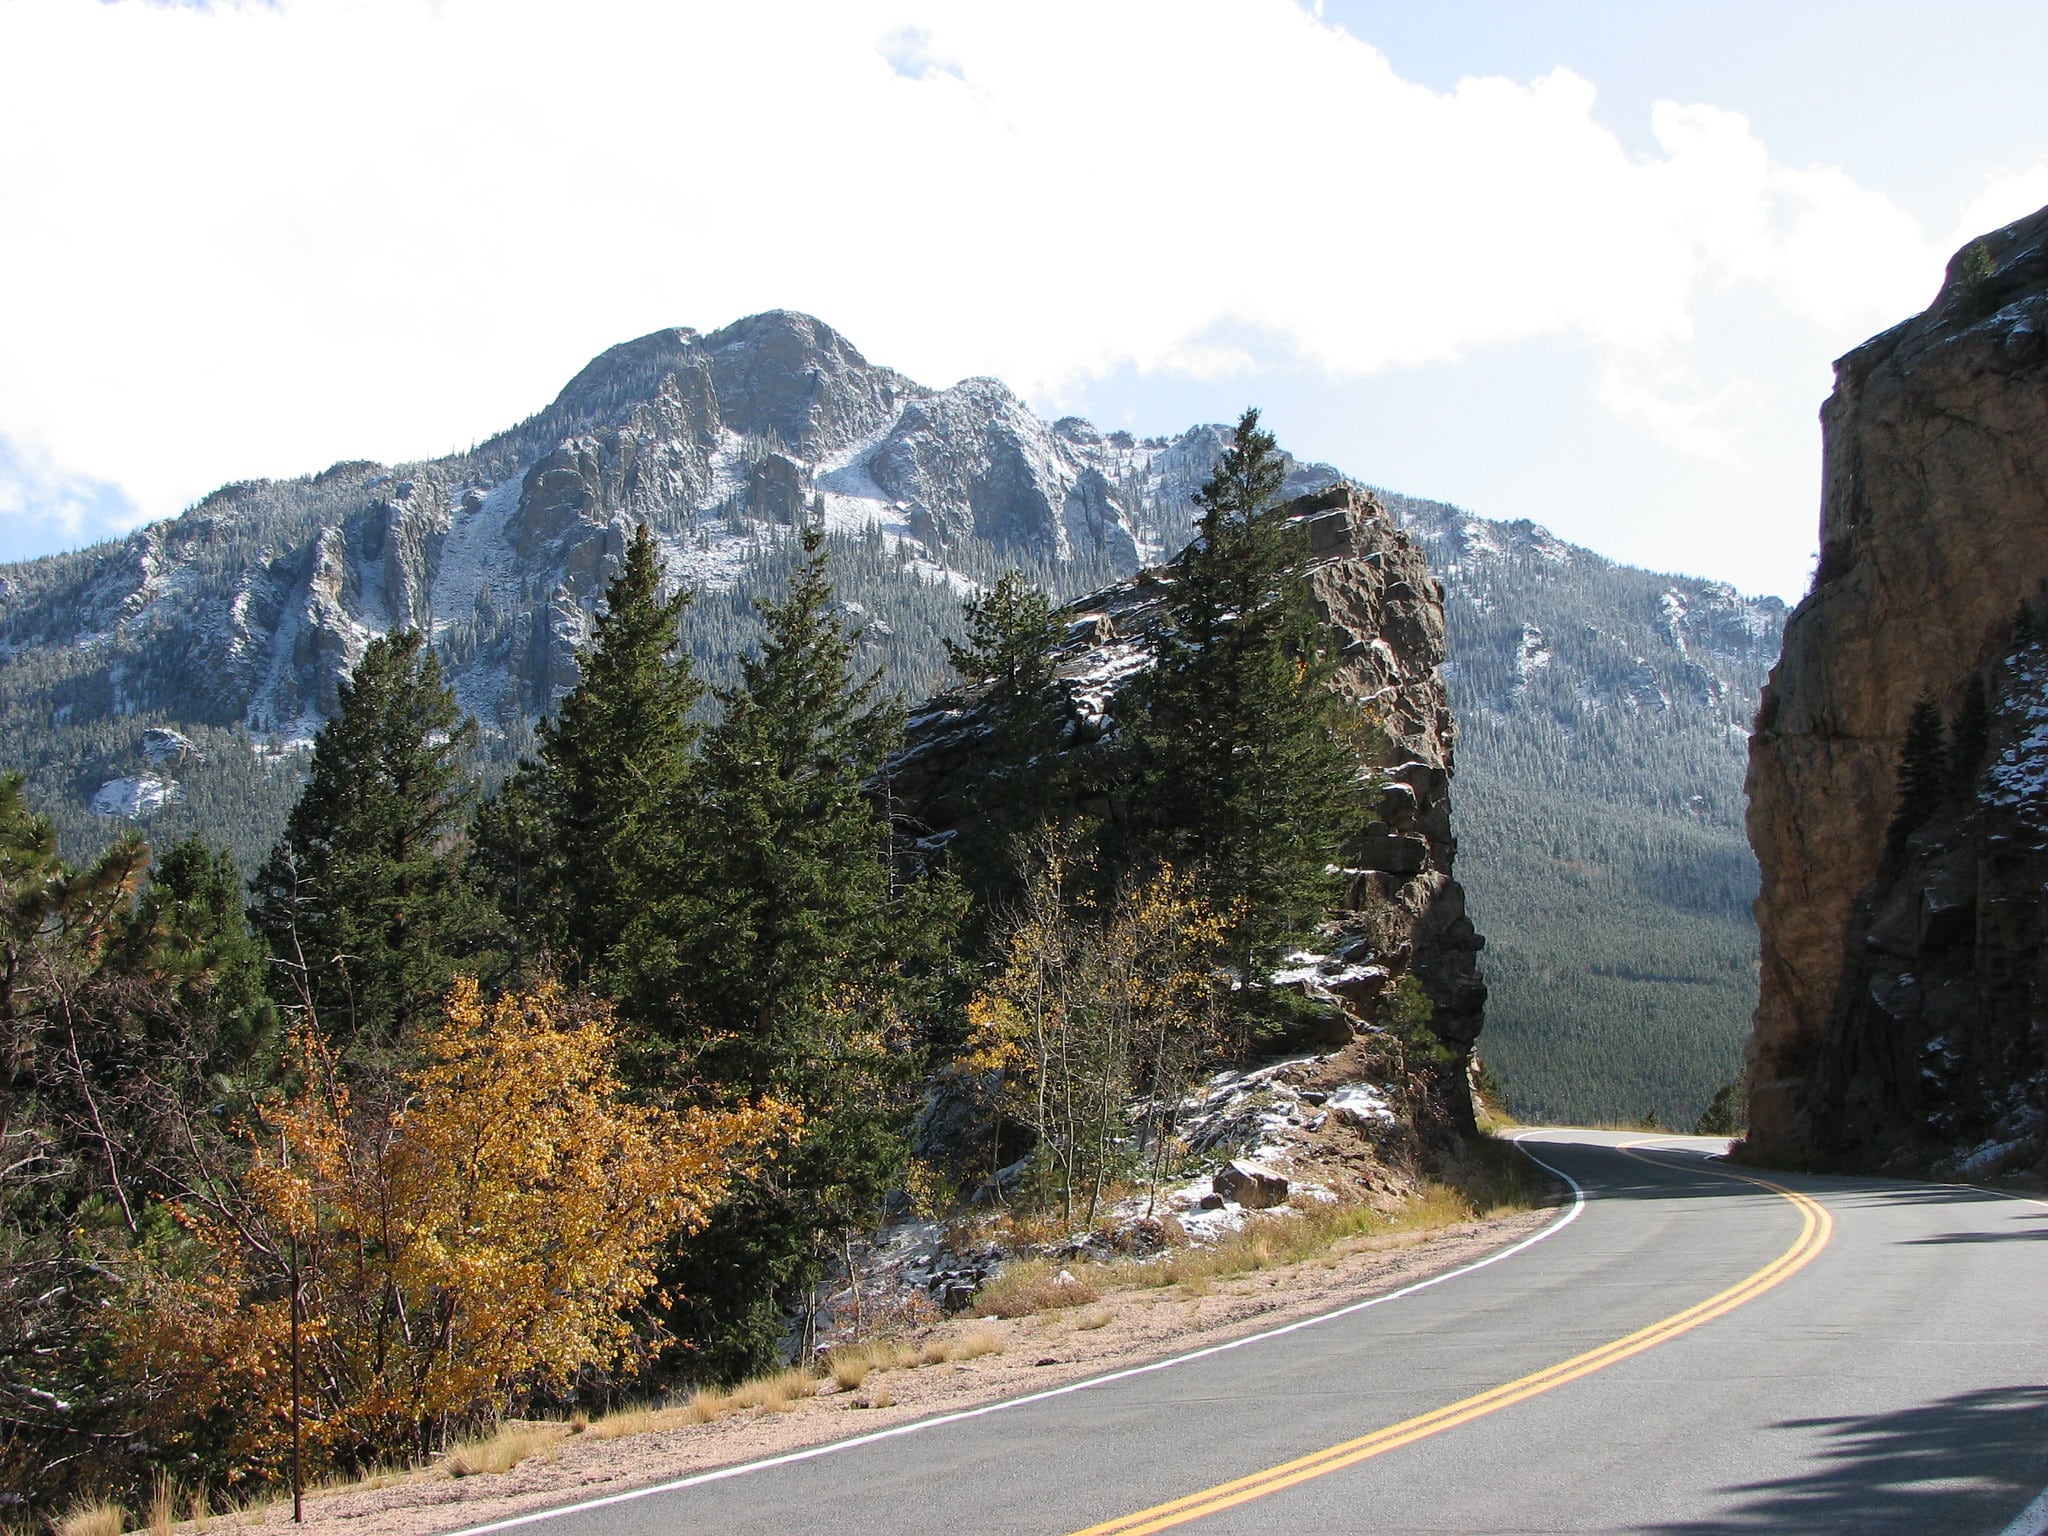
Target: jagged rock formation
<point>1404,912</point>
<point>1901,1020</point>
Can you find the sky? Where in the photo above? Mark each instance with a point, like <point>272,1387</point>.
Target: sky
<point>1582,261</point>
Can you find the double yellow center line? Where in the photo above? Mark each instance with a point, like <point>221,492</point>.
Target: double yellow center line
<point>1815,1228</point>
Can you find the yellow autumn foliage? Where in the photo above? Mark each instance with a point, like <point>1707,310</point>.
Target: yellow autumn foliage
<point>1091,1013</point>
<point>487,1232</point>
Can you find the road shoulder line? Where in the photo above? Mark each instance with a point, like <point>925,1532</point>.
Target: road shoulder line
<point>1816,1227</point>
<point>833,1447</point>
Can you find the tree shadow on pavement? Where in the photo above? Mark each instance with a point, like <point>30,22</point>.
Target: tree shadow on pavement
<point>1965,1464</point>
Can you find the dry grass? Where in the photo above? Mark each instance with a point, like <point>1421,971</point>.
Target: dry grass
<point>777,1392</point>
<point>1490,1178</point>
<point>852,1364</point>
<point>163,1504</point>
<point>504,1449</point>
<point>93,1520</point>
<point>1038,1285</point>
<point>641,1419</point>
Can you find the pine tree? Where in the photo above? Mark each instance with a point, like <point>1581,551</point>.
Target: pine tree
<point>1012,638</point>
<point>1237,767</point>
<point>1970,738</point>
<point>1924,774</point>
<point>807,969</point>
<point>595,836</point>
<point>190,925</point>
<point>361,901</point>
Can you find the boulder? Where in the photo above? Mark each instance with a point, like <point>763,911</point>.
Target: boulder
<point>1379,847</point>
<point>1251,1185</point>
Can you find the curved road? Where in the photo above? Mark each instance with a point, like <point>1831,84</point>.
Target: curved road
<point>1685,1351</point>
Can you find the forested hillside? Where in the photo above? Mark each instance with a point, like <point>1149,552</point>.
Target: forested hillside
<point>1603,716</point>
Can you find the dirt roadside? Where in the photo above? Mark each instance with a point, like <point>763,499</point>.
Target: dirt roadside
<point>1125,1328</point>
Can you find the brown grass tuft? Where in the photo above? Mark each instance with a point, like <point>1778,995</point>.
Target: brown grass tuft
<point>777,1391</point>
<point>163,1503</point>
<point>103,1519</point>
<point>503,1449</point>
<point>850,1366</point>
<point>1036,1285</point>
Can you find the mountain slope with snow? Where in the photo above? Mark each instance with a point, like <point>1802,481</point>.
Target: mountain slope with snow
<point>234,623</point>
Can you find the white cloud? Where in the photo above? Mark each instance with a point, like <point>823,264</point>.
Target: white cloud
<point>254,239</point>
<point>42,506</point>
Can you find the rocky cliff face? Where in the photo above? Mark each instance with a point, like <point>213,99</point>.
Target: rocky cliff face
<point>1901,1006</point>
<point>1404,912</point>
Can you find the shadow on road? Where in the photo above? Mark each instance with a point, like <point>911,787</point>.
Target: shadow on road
<point>1676,1173</point>
<point>2036,1234</point>
<point>1964,1464</point>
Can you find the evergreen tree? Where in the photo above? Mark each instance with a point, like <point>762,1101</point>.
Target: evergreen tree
<point>190,925</point>
<point>608,804</point>
<point>1924,774</point>
<point>1970,738</point>
<point>1237,765</point>
<point>362,904</point>
<point>130,1011</point>
<point>1012,638</point>
<point>807,967</point>
<point>1726,1113</point>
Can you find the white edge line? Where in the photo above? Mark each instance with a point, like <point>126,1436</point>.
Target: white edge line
<point>2032,1521</point>
<point>810,1453</point>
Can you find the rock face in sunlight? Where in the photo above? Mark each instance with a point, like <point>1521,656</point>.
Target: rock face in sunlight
<point>1904,1009</point>
<point>1404,912</point>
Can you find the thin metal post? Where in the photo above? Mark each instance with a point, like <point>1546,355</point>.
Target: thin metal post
<point>298,1437</point>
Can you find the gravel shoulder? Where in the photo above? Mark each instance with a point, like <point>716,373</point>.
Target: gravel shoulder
<point>1123,1328</point>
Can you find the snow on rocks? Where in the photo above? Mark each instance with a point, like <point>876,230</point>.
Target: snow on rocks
<point>166,748</point>
<point>136,798</point>
<point>1363,1106</point>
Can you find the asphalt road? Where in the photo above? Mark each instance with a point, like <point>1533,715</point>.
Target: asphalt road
<point>1688,1353</point>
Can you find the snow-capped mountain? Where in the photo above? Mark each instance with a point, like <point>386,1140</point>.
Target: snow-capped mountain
<point>1585,691</point>
<point>249,608</point>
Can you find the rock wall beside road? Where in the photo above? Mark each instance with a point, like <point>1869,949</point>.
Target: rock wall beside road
<point>1934,532</point>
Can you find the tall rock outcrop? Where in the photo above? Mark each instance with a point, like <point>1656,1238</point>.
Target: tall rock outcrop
<point>1900,1017</point>
<point>1404,912</point>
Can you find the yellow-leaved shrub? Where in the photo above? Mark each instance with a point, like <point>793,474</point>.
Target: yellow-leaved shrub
<point>488,1231</point>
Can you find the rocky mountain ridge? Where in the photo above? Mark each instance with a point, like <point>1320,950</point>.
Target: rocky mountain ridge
<point>1590,694</point>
